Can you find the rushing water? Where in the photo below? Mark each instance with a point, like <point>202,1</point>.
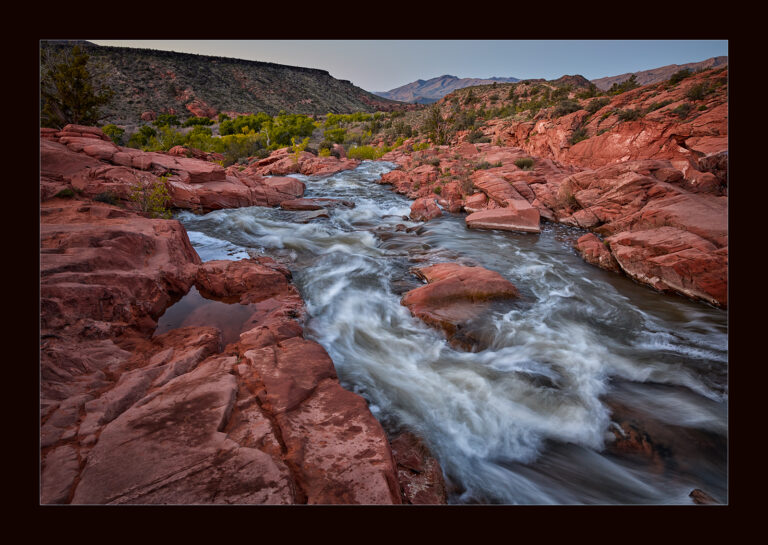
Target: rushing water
<point>529,418</point>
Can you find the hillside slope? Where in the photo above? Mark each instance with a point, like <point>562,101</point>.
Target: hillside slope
<point>662,73</point>
<point>436,88</point>
<point>154,81</point>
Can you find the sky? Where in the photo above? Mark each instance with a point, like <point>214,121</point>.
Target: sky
<point>382,65</point>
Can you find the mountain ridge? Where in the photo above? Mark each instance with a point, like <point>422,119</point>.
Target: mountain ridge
<point>149,82</point>
<point>661,73</point>
<point>426,91</point>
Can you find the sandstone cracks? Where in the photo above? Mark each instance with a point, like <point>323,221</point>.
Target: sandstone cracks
<point>179,418</point>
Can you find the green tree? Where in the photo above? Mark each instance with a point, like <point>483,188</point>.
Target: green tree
<point>67,90</point>
<point>435,125</point>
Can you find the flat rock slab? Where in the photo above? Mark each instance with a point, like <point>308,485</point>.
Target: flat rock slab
<point>517,216</point>
<point>156,451</point>
<point>315,204</point>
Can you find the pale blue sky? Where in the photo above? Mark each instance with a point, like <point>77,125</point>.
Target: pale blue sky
<point>381,65</point>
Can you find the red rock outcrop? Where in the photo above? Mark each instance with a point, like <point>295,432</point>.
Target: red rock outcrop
<point>624,197</point>
<point>594,251</point>
<point>91,164</point>
<point>282,162</point>
<point>691,142</point>
<point>128,417</point>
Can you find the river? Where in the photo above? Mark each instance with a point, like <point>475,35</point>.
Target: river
<point>582,358</point>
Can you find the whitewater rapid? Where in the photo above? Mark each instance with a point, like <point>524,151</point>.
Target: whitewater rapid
<point>532,417</point>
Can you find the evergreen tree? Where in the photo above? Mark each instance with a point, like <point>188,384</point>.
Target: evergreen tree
<point>435,126</point>
<point>67,90</point>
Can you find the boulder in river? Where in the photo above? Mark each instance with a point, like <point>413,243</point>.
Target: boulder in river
<point>454,296</point>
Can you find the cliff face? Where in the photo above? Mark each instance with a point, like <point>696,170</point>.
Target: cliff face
<point>167,82</point>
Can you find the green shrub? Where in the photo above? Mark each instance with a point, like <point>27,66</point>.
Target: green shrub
<point>152,197</point>
<point>365,152</point>
<point>702,108</point>
<point>298,148</point>
<point>657,105</point>
<point>68,92</point>
<point>477,136</point>
<point>697,92</point>
<point>166,120</point>
<point>482,165</point>
<point>594,105</point>
<point>629,115</point>
<point>421,146</point>
<point>114,132</point>
<point>683,110</point>
<point>107,197</point>
<point>223,117</point>
<point>679,76</point>
<point>239,146</point>
<point>435,162</point>
<point>579,135</point>
<point>141,138</point>
<point>591,91</point>
<point>65,194</point>
<point>335,134</point>
<point>565,107</point>
<point>194,120</point>
<point>526,163</point>
<point>437,190</point>
<point>623,87</point>
<point>244,123</point>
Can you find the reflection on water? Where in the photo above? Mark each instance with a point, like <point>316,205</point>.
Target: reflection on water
<point>591,388</point>
<point>195,310</point>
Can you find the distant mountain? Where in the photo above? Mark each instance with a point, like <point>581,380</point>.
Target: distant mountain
<point>146,80</point>
<point>431,90</point>
<point>656,75</point>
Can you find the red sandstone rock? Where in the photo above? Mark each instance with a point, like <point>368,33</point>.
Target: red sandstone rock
<point>200,109</point>
<point>595,252</point>
<point>455,295</point>
<point>425,209</point>
<point>517,216</point>
<point>245,281</point>
<point>476,202</point>
<point>315,204</point>
<point>102,263</point>
<point>282,162</point>
<point>667,259</point>
<point>168,420</point>
<point>419,473</point>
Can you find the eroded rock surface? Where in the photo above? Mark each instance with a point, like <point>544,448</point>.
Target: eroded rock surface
<point>179,418</point>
